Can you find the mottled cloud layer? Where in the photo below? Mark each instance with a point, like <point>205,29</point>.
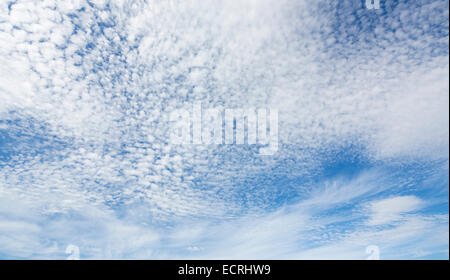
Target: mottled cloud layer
<point>86,89</point>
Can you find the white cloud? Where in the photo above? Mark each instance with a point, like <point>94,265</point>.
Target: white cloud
<point>101,82</point>
<point>392,209</point>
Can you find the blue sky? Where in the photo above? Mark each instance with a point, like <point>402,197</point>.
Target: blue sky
<point>87,87</point>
